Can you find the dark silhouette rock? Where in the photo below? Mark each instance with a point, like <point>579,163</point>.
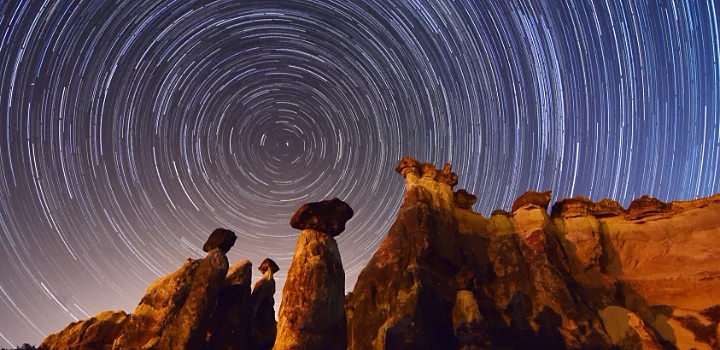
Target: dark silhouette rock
<point>263,324</point>
<point>220,238</point>
<point>230,323</point>
<point>268,264</point>
<point>327,216</point>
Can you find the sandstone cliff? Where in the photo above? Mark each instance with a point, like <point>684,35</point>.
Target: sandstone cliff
<point>578,274</point>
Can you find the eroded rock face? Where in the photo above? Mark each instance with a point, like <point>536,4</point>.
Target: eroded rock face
<point>540,279</point>
<point>97,332</point>
<point>189,328</point>
<point>158,308</point>
<point>312,313</point>
<point>326,216</point>
<point>176,310</point>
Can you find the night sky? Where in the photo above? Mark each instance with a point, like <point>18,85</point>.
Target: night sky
<point>129,130</point>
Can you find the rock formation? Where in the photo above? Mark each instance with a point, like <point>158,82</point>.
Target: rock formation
<point>222,239</point>
<point>230,324</point>
<point>312,314</point>
<point>264,326</point>
<point>589,275</point>
<point>94,333</point>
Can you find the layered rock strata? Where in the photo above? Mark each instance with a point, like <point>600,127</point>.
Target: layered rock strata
<point>312,314</point>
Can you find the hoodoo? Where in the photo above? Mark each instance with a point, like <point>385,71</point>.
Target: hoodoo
<point>312,314</point>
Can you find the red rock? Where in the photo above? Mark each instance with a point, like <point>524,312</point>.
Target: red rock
<point>540,199</point>
<point>646,206</point>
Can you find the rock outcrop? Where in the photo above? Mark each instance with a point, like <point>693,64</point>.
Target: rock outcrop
<point>589,275</point>
<point>312,314</point>
<point>97,332</point>
<point>592,274</point>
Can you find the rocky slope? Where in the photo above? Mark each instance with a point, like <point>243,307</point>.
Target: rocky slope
<point>586,275</point>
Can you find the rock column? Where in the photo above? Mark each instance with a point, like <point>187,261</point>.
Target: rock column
<point>312,313</point>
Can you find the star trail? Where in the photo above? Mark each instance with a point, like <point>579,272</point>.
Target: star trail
<point>129,130</point>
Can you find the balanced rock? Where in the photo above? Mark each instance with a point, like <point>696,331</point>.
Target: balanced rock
<point>327,216</point>
<point>97,332</point>
<point>264,326</point>
<point>220,238</point>
<point>312,314</point>
<point>540,199</point>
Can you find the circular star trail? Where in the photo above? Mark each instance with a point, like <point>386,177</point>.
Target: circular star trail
<point>130,130</point>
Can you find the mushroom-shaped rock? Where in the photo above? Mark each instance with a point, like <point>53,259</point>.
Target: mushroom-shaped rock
<point>409,166</point>
<point>327,216</point>
<point>220,238</point>
<point>464,199</point>
<point>540,199</point>
<point>264,326</point>
<point>268,264</point>
<point>312,312</point>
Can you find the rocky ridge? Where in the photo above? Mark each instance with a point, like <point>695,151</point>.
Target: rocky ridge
<point>585,275</point>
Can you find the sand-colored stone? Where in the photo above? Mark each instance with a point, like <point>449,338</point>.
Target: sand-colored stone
<point>94,333</point>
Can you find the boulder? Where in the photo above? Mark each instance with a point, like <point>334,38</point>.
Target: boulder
<point>230,322</point>
<point>327,216</point>
<point>539,199</point>
<point>220,238</point>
